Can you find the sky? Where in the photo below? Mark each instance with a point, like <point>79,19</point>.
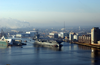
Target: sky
<point>48,13</point>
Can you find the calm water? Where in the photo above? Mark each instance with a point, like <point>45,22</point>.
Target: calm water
<point>30,54</point>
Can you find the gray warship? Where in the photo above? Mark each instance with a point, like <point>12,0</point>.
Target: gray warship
<point>47,41</point>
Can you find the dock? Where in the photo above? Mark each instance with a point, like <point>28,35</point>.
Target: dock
<point>89,45</point>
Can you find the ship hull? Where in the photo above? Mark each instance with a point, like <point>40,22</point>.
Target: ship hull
<point>3,44</point>
<point>51,44</point>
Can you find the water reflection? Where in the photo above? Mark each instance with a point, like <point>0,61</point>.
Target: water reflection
<point>68,54</point>
<point>4,47</point>
<point>46,47</point>
<point>84,47</point>
<point>95,54</point>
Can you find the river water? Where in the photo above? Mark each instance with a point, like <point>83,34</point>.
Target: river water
<point>68,54</point>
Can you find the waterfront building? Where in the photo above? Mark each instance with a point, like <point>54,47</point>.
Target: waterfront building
<point>84,39</point>
<point>98,42</point>
<point>53,35</point>
<point>75,37</point>
<point>70,37</point>
<point>27,34</point>
<point>62,34</point>
<point>71,34</point>
<point>95,35</point>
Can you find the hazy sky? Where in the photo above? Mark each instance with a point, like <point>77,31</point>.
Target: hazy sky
<point>52,12</point>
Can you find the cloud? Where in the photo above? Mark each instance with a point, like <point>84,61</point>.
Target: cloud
<point>13,23</point>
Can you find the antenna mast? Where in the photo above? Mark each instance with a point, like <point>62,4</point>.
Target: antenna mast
<point>64,30</point>
<point>64,26</point>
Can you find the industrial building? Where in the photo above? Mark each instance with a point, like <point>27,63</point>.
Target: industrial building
<point>78,37</point>
<point>90,38</point>
<point>93,38</point>
<point>84,39</point>
<point>95,35</point>
<point>62,34</point>
<point>71,34</point>
<point>22,35</point>
<point>27,34</point>
<point>32,33</point>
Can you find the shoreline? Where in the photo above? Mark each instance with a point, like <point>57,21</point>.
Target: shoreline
<point>89,45</point>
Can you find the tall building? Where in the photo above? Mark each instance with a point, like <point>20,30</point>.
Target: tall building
<point>62,34</point>
<point>95,35</point>
<point>71,34</point>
